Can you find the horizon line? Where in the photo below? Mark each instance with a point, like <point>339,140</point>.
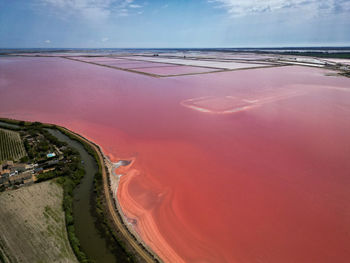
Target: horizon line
<point>241,47</point>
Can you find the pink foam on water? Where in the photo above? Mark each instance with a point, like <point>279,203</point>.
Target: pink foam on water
<point>268,184</point>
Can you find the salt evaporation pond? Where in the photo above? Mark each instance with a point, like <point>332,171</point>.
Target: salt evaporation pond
<point>269,183</point>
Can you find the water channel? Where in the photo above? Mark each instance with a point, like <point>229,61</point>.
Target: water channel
<point>93,244</point>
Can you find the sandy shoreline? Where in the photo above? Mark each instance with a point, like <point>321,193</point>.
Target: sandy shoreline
<point>137,219</point>
<point>113,184</point>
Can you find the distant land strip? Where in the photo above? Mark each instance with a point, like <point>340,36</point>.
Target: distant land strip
<point>175,75</point>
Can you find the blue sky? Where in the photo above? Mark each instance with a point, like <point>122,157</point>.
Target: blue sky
<point>164,23</point>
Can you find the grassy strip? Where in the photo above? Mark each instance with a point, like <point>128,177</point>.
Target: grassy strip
<point>103,223</point>
<point>68,184</point>
<point>2,258</point>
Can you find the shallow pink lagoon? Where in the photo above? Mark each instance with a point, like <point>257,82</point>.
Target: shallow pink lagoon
<point>265,183</point>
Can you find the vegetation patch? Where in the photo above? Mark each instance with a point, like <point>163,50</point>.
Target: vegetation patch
<point>105,226</point>
<point>69,183</point>
<point>11,145</point>
<point>345,74</point>
<point>34,216</point>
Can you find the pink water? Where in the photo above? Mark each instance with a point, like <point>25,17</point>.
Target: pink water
<point>266,184</point>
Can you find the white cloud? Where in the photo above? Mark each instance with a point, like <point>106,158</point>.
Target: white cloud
<point>135,6</point>
<point>94,10</point>
<point>105,39</point>
<point>47,41</point>
<point>247,7</point>
<point>123,12</point>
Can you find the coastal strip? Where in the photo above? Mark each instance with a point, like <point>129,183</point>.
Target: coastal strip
<point>105,167</point>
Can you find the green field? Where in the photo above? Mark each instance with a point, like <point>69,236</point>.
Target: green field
<point>11,145</point>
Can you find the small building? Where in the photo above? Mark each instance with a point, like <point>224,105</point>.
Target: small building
<point>7,164</point>
<point>4,179</point>
<point>16,173</point>
<point>23,166</point>
<point>21,178</point>
<point>49,169</point>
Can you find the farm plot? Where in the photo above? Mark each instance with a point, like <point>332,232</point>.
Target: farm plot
<point>11,145</point>
<point>32,225</point>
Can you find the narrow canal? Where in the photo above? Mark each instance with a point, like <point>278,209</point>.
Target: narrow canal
<point>94,245</point>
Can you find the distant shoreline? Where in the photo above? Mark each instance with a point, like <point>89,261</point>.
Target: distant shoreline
<point>311,51</point>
